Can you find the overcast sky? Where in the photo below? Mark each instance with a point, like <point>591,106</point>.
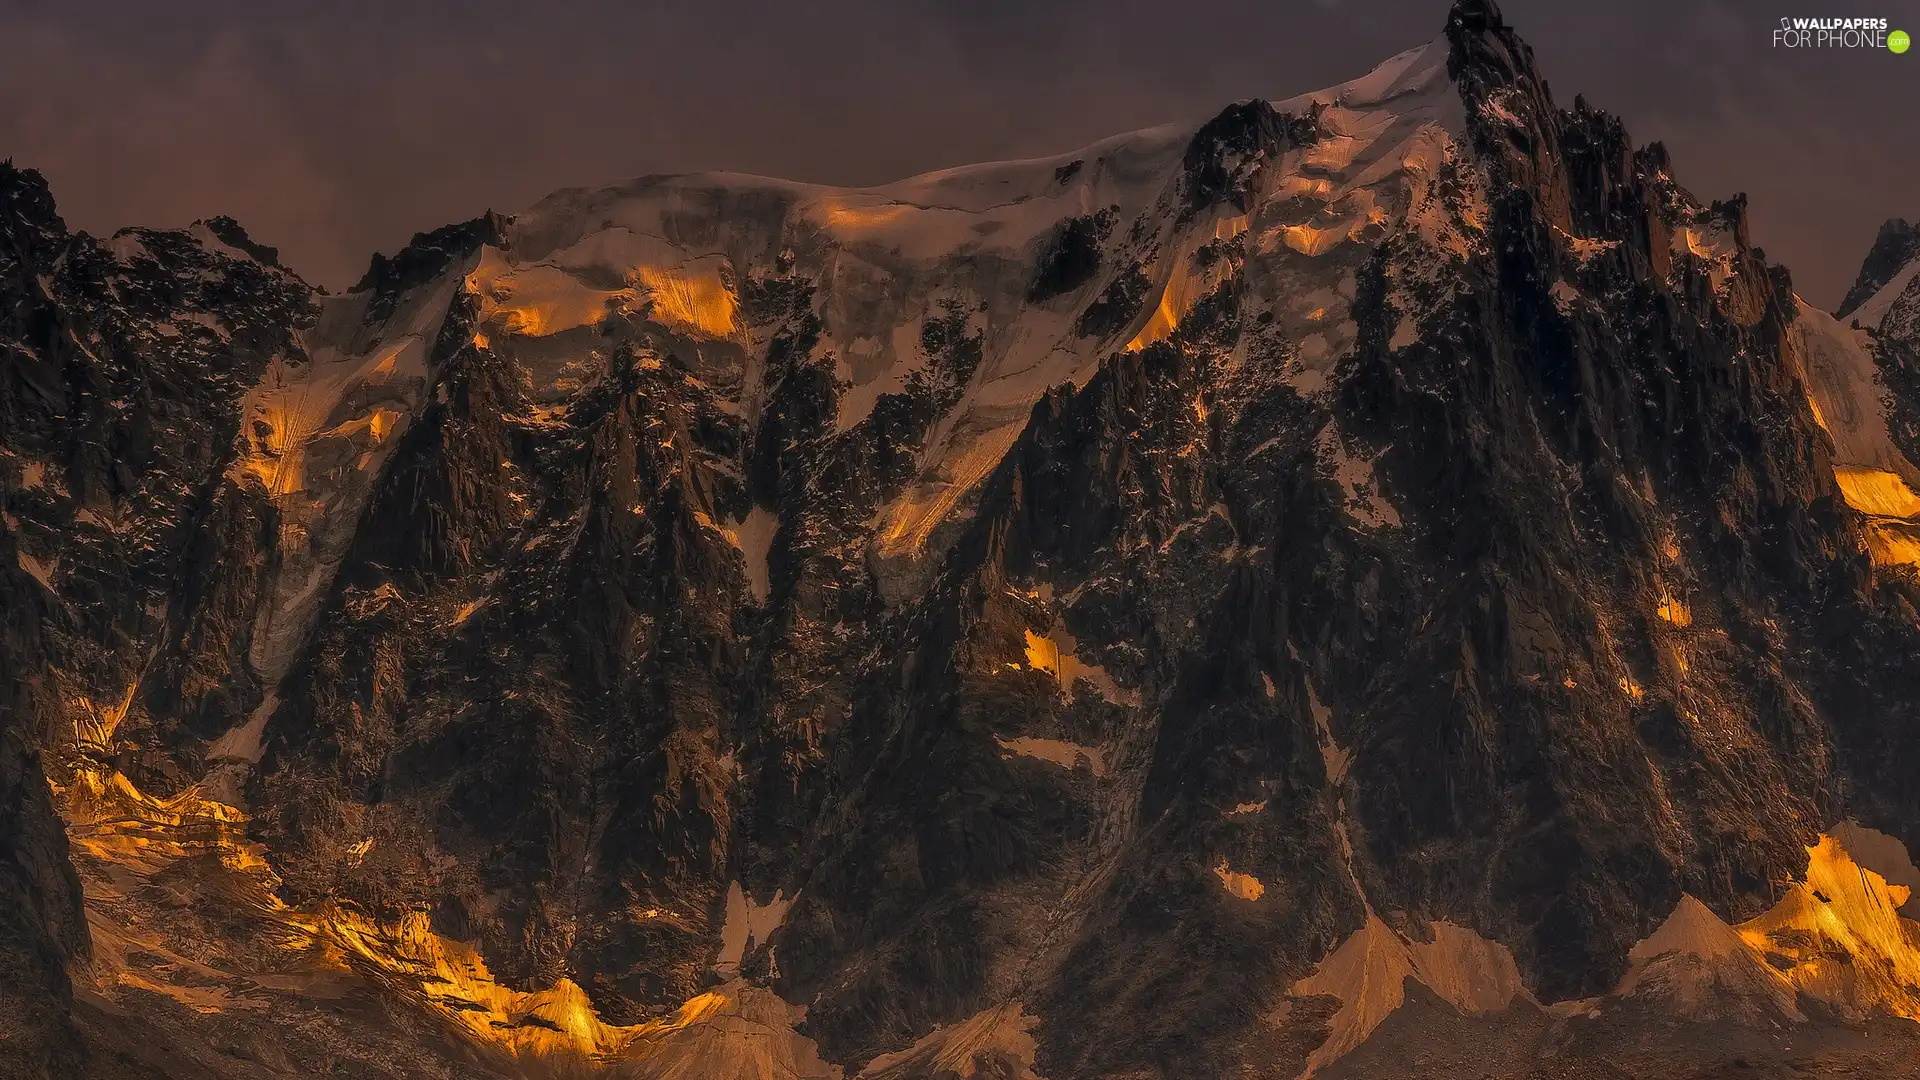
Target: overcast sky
<point>334,129</point>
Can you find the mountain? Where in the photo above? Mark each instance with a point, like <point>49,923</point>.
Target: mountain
<point>1385,576</point>
<point>1891,259</point>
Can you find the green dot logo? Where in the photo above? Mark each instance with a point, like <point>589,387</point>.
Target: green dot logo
<point>1898,41</point>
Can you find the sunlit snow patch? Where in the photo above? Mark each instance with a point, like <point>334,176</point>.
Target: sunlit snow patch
<point>1240,885</point>
<point>1874,477</point>
<point>1066,755</point>
<point>1188,282</point>
<point>1838,937</point>
<point>753,535</point>
<point>1358,483</point>
<point>1884,855</point>
<point>315,434</point>
<point>1056,653</point>
<point>747,926</point>
<point>1698,967</point>
<point>1368,974</point>
<point>997,1042</point>
<point>1713,244</point>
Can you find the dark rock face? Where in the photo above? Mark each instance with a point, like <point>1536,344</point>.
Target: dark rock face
<point>232,234</point>
<point>1453,552</point>
<point>42,926</point>
<point>127,391</point>
<point>424,258</point>
<point>1587,430</point>
<point>1116,306</point>
<point>121,381</point>
<point>1072,255</point>
<point>1229,149</point>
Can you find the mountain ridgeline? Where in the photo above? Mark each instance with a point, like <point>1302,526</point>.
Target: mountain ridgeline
<point>1382,576</point>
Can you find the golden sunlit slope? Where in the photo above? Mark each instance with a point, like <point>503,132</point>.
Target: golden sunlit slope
<point>1875,478</point>
<point>127,842</point>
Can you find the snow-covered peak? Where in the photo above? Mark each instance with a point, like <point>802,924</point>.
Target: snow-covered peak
<point>1413,77</point>
<point>1055,262</point>
<point>1846,397</point>
<point>608,240</point>
<point>1846,362</point>
<point>1884,275</point>
<point>226,236</point>
<point>1036,271</point>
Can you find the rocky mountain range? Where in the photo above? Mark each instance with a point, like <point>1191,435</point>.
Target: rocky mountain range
<point>1383,583</point>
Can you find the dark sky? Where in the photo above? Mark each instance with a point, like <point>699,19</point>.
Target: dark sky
<point>333,129</point>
